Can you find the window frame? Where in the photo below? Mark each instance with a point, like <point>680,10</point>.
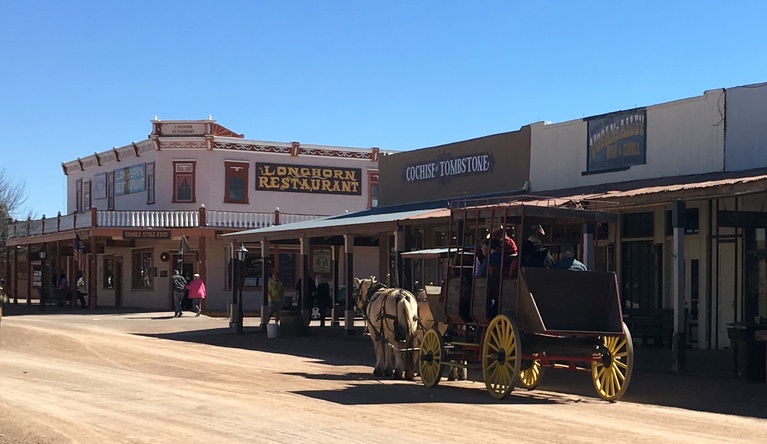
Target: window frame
<point>178,174</point>
<point>150,183</point>
<point>373,182</point>
<point>108,263</point>
<point>230,172</point>
<point>138,269</point>
<point>79,196</point>
<point>87,202</point>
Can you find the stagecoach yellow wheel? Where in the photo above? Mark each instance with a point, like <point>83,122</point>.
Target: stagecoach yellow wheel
<point>531,374</point>
<point>501,353</point>
<point>611,374</point>
<point>432,352</point>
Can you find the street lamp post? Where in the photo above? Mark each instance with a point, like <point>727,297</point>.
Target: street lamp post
<point>241,252</point>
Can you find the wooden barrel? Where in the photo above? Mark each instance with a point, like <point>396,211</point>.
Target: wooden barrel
<point>291,323</point>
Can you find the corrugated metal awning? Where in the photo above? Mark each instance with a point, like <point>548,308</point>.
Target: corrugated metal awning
<point>363,223</point>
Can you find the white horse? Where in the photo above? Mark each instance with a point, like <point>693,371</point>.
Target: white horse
<point>392,322</point>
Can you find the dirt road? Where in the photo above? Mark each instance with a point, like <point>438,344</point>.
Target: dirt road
<point>150,378</point>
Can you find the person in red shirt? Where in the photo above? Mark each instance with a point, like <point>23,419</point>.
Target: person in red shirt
<point>196,292</point>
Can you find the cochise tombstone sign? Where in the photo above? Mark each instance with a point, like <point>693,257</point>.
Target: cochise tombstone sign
<point>445,167</point>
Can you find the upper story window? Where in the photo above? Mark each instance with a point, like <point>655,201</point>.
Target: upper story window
<point>236,188</point>
<point>86,195</point>
<point>183,181</point>
<point>150,183</point>
<point>110,190</point>
<point>373,189</point>
<point>79,195</point>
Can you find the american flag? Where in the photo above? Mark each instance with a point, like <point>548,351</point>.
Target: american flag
<point>78,252</point>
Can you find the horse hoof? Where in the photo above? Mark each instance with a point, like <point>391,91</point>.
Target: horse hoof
<point>378,372</point>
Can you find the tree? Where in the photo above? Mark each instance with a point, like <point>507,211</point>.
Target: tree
<point>12,196</point>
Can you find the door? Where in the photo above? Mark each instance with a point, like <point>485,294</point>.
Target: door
<point>638,275</point>
<point>187,270</point>
<point>755,283</point>
<point>118,282</point>
<point>726,292</point>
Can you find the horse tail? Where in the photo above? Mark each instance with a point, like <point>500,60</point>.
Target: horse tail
<point>409,315</point>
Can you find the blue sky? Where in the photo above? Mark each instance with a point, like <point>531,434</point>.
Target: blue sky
<point>78,77</point>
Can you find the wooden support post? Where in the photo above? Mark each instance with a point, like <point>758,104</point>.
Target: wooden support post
<point>349,312</point>
<point>678,345</point>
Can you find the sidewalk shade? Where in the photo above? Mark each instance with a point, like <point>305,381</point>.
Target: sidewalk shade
<point>748,353</point>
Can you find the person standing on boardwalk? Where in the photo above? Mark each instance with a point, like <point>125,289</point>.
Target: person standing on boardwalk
<point>276,292</point>
<point>323,297</point>
<point>196,292</point>
<point>178,283</point>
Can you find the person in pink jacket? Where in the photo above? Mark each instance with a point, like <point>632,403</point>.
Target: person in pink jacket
<point>196,292</point>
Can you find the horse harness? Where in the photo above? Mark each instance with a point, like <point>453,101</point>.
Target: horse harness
<point>399,333</point>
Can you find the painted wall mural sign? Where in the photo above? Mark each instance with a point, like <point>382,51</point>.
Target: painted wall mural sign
<point>617,141</point>
<point>308,179</point>
<point>130,179</point>
<point>445,167</point>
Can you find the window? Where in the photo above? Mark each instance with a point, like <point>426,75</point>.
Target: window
<point>692,222</point>
<point>236,188</point>
<point>603,231</point>
<point>86,195</point>
<point>111,190</point>
<point>373,189</point>
<point>109,273</point>
<point>79,195</point>
<point>142,270</point>
<point>638,225</point>
<point>150,183</point>
<point>183,182</point>
<point>253,268</point>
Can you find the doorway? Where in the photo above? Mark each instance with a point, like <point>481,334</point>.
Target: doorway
<point>639,262</point>
<point>118,282</point>
<point>755,285</point>
<point>187,271</point>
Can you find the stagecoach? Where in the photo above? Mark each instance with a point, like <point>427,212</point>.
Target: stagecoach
<point>516,322</point>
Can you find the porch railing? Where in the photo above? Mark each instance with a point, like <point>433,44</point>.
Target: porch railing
<point>233,220</point>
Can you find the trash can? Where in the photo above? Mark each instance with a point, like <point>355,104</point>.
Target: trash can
<point>748,354</point>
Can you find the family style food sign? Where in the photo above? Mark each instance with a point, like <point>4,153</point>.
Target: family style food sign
<point>308,179</point>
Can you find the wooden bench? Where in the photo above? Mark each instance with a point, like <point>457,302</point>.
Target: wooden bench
<point>655,323</point>
<point>55,296</point>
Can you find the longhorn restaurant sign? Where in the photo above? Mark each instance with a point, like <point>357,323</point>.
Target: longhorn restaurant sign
<point>445,167</point>
<point>308,179</point>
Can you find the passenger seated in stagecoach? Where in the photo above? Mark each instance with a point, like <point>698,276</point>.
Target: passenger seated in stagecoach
<point>528,257</point>
<point>481,261</point>
<point>540,257</point>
